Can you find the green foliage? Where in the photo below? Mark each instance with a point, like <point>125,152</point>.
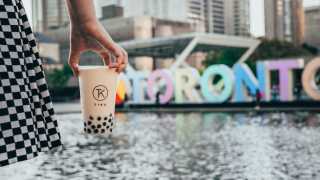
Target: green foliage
<point>275,49</point>
<point>58,77</point>
<point>227,56</point>
<point>268,49</point>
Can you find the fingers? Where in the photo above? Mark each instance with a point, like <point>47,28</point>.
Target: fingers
<point>106,57</point>
<point>100,34</point>
<point>121,59</point>
<point>124,62</point>
<point>74,62</point>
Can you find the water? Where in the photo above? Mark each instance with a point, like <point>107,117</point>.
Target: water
<point>183,146</point>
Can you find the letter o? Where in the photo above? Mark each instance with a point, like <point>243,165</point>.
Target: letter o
<point>227,77</point>
<point>308,79</point>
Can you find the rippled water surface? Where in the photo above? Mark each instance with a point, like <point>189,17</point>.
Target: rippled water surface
<point>183,146</point>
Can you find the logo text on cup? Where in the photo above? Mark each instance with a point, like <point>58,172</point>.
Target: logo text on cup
<point>100,92</point>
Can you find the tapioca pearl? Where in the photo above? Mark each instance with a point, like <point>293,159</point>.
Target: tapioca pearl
<point>105,118</point>
<point>85,124</point>
<point>111,123</point>
<point>110,115</point>
<point>103,130</point>
<point>89,123</point>
<point>91,117</point>
<point>110,130</point>
<point>85,129</point>
<point>99,126</point>
<point>104,123</point>
<point>96,131</point>
<point>99,118</point>
<point>110,120</point>
<point>89,131</point>
<point>108,127</point>
<point>93,127</point>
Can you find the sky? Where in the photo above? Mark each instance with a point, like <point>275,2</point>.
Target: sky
<point>256,14</point>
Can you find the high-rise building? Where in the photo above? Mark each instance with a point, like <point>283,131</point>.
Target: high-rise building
<point>312,26</point>
<point>163,9</point>
<point>284,20</point>
<point>195,14</point>
<point>237,17</point>
<point>48,14</point>
<point>241,17</point>
<point>214,16</point>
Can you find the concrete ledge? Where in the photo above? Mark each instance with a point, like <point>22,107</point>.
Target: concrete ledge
<point>74,107</point>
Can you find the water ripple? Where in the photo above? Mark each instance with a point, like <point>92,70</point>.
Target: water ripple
<point>184,146</point>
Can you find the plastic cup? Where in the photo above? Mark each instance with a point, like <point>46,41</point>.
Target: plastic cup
<point>98,86</point>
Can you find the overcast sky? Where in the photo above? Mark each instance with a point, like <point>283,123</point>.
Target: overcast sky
<point>256,11</point>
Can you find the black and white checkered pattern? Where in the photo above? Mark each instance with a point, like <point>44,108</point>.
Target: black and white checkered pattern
<point>27,121</point>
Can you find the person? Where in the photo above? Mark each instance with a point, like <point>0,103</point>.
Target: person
<point>28,124</point>
<point>158,94</point>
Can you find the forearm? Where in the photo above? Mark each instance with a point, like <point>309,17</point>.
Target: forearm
<point>81,12</point>
<point>83,20</point>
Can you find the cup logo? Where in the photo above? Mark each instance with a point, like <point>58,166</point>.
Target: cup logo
<point>100,92</point>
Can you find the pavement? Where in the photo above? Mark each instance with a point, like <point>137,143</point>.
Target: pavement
<point>65,108</point>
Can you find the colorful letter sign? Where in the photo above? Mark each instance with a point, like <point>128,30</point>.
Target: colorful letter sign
<point>208,90</point>
<point>186,84</point>
<point>308,79</point>
<point>285,76</point>
<point>169,85</point>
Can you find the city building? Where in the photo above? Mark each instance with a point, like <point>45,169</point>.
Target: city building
<point>124,29</point>
<point>213,16</point>
<point>112,11</point>
<point>237,17</point>
<point>161,9</point>
<point>284,20</point>
<point>48,14</point>
<point>312,26</point>
<point>49,51</point>
<point>195,14</point>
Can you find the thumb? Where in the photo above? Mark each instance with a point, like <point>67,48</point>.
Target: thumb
<point>73,62</point>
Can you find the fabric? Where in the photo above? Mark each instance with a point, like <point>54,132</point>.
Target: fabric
<point>27,121</point>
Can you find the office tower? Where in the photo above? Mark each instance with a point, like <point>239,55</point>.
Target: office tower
<point>227,17</point>
<point>241,17</point>
<point>195,14</point>
<point>284,20</point>
<point>237,17</point>
<point>298,21</point>
<point>162,9</point>
<point>48,14</point>
<point>214,16</point>
<point>312,26</point>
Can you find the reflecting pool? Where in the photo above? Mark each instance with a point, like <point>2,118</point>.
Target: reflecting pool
<point>183,146</point>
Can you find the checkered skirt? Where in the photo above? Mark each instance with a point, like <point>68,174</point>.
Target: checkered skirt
<point>27,121</point>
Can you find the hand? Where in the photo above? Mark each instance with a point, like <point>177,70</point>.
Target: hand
<point>92,37</point>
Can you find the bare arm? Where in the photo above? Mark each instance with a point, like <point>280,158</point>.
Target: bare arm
<point>86,33</point>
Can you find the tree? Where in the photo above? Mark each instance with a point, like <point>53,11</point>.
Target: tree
<point>268,49</point>
<point>275,49</point>
<point>226,56</point>
<point>59,78</point>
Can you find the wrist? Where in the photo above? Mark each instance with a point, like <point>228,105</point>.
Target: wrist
<point>85,28</point>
